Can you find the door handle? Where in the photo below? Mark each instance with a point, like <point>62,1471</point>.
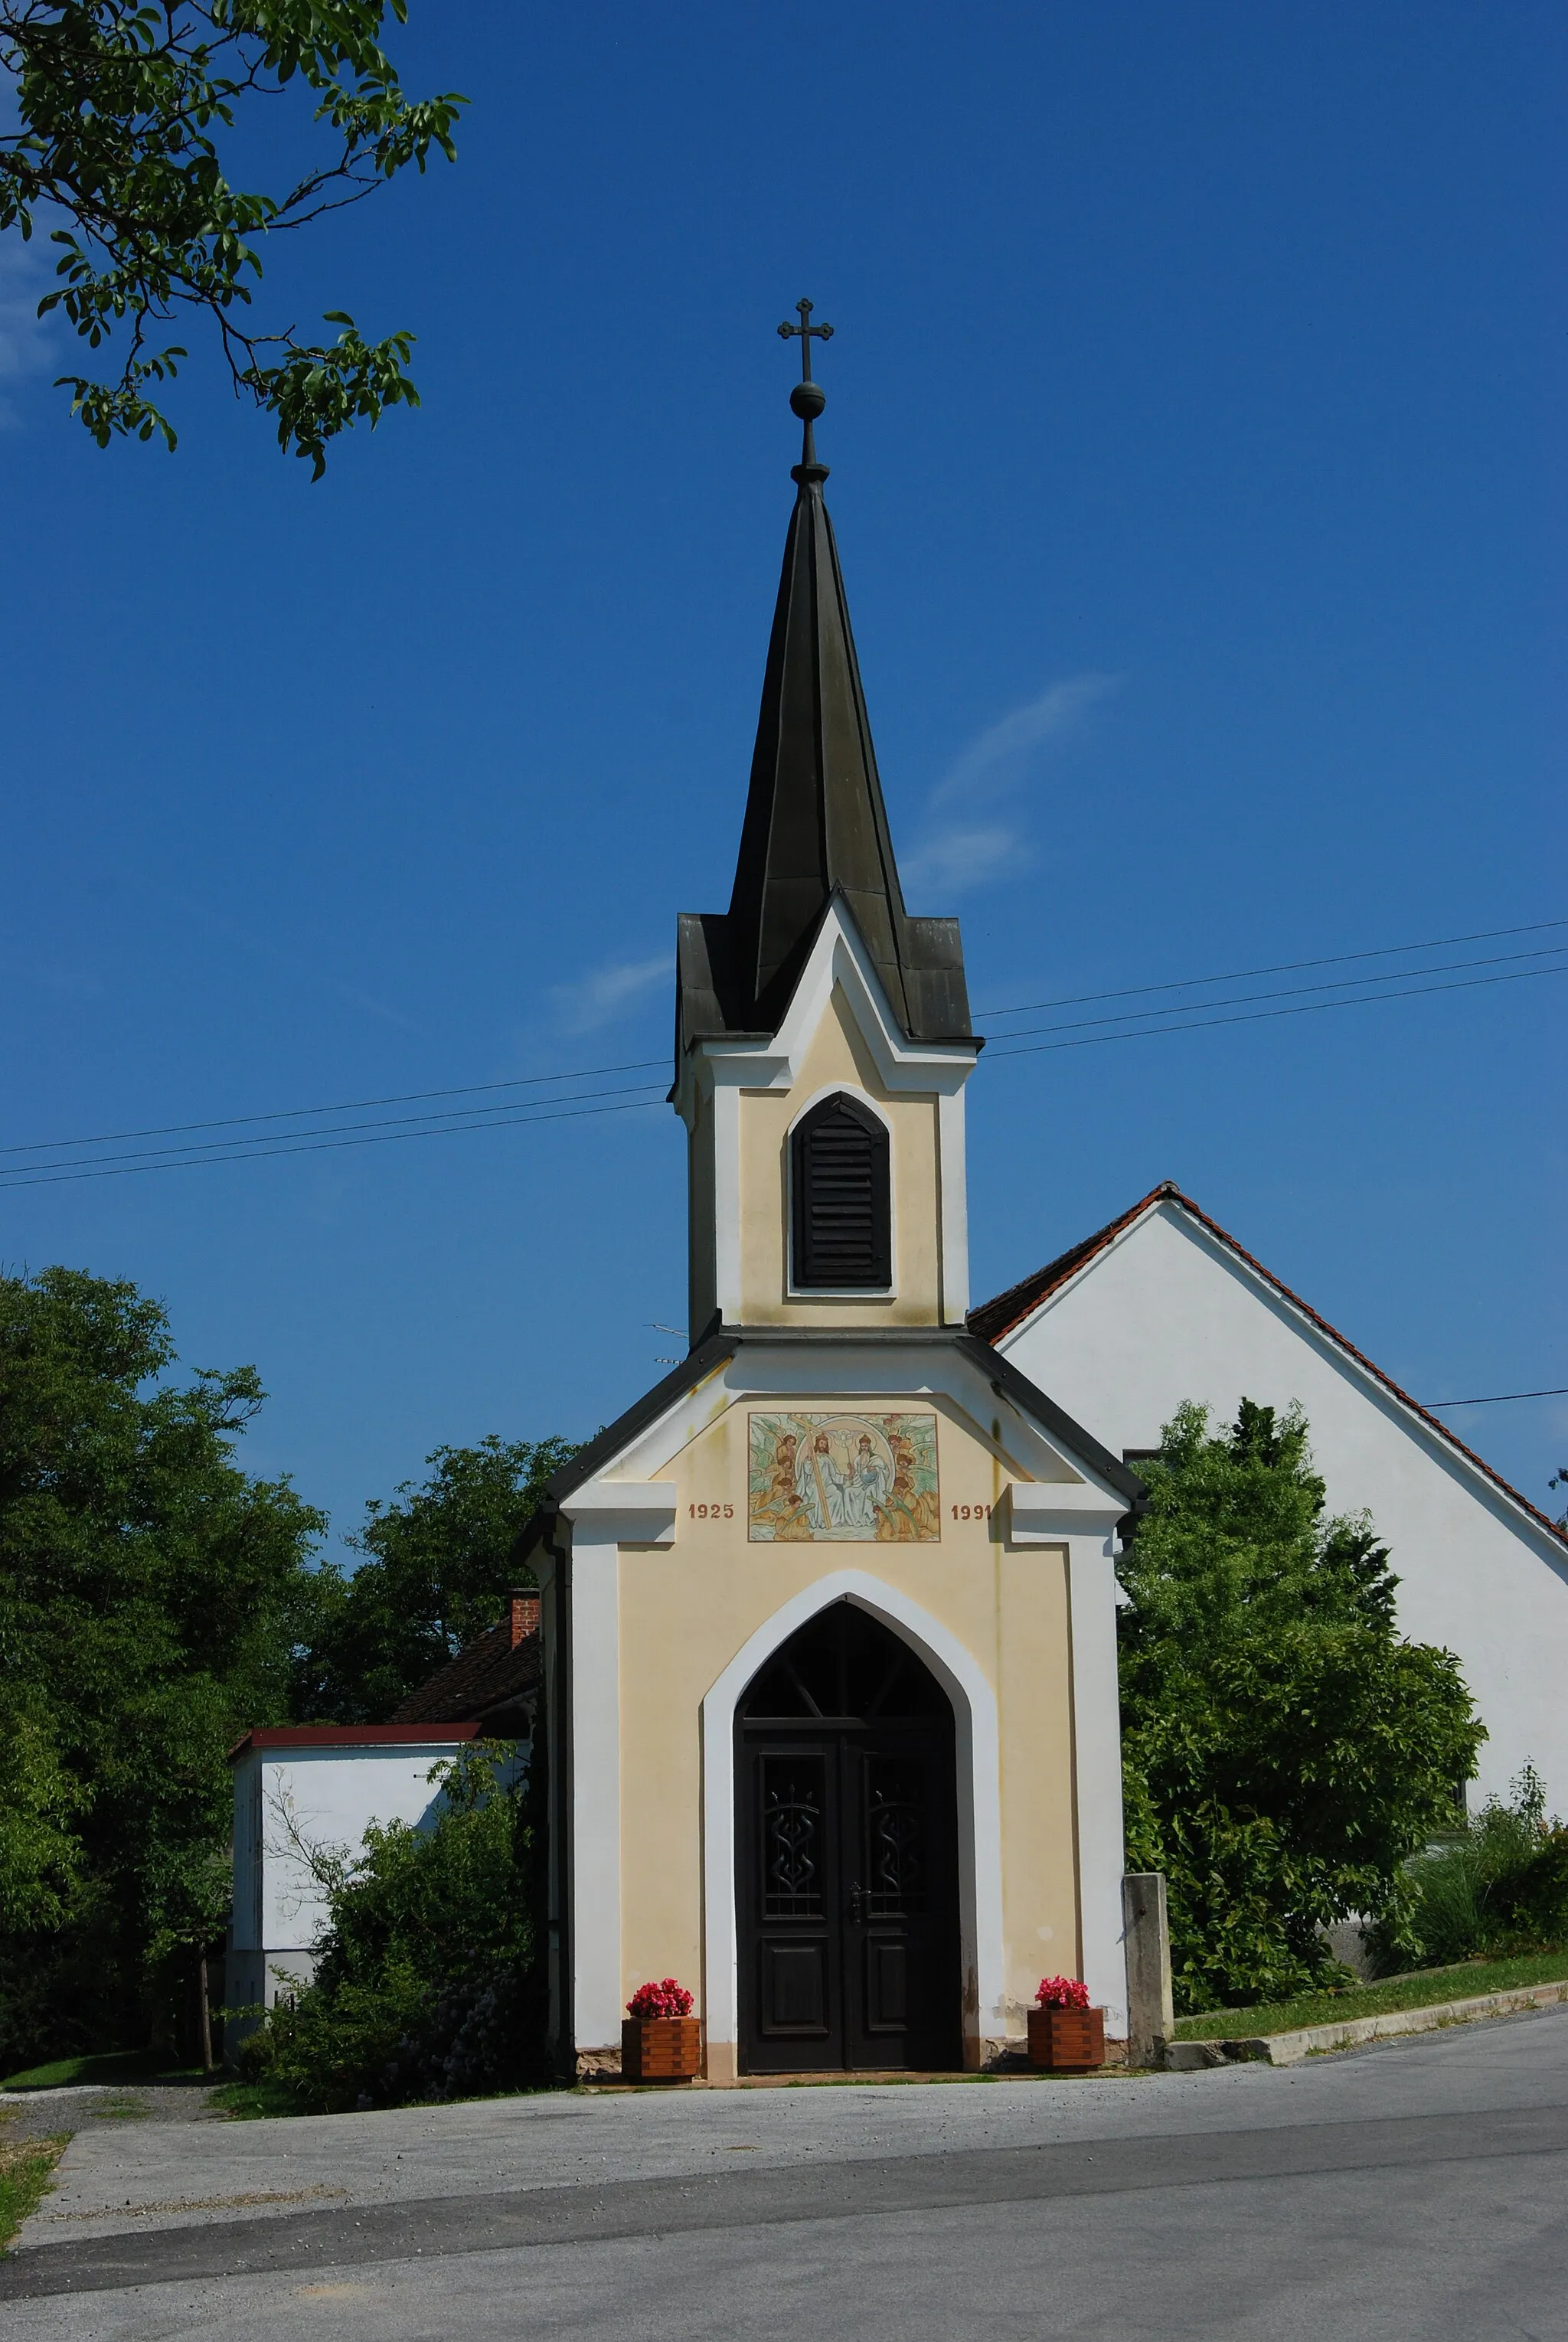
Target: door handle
<point>854,1905</point>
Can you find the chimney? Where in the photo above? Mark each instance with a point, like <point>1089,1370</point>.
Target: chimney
<point>523,1604</point>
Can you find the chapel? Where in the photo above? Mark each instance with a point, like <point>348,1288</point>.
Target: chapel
<point>828,1632</point>
<point>823,1638</point>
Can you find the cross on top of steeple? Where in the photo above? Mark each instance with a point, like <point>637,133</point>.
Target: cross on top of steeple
<point>807,398</point>
<point>806,330</point>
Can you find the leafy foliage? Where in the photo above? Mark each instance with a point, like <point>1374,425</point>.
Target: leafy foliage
<point>1284,1750</point>
<point>120,105</point>
<point>427,1986</point>
<point>1497,1888</point>
<point>151,1597</point>
<point>437,1562</point>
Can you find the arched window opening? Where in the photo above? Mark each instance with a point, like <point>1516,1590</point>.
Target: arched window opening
<point>842,1187</point>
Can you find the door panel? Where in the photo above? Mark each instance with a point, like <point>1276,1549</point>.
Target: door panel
<point>794,1990</point>
<point>886,1984</point>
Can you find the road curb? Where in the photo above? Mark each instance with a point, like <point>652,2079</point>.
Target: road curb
<point>1290,2048</point>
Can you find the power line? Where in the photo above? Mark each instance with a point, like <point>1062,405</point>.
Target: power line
<point>644,1064</point>
<point>1282,967</point>
<point>208,1150</point>
<point>265,1152</point>
<point>1257,1015</point>
<point>344,1106</point>
<point>1404,977</point>
<point>512,1112</point>
<point>1502,1398</point>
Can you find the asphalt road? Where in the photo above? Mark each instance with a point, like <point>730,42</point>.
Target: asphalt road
<point>1416,2189</point>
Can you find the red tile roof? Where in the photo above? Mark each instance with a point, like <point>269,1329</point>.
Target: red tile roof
<point>500,1669</point>
<point>996,1319</point>
<point>352,1735</point>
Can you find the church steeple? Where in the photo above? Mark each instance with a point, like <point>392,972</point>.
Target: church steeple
<point>822,1034</point>
<point>815,823</point>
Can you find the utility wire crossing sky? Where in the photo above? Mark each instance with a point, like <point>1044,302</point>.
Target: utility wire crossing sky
<point>512,1114</point>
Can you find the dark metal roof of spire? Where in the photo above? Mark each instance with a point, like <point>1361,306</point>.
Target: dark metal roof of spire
<point>815,826</point>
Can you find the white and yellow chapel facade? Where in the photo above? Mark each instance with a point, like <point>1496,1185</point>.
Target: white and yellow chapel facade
<point>829,1616</point>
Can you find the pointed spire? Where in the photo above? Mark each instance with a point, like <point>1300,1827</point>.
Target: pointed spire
<point>816,822</point>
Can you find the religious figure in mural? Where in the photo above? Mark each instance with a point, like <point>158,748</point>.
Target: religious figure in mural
<point>843,1478</point>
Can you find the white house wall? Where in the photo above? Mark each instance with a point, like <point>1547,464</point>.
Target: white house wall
<point>332,1795</point>
<point>1167,1314</point>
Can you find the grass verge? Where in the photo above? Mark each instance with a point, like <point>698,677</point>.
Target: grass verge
<point>109,2066</point>
<point>1422,1988</point>
<point>252,2101</point>
<point>26,2164</point>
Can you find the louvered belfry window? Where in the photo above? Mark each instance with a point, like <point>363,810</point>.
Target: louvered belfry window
<point>843,1211</point>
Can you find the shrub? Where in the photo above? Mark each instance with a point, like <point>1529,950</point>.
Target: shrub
<point>1499,1886</point>
<point>426,1985</point>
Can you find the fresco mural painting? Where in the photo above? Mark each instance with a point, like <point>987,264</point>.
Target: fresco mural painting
<point>843,1479</point>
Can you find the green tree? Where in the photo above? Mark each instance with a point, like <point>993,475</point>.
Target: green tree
<point>436,1569</point>
<point>1284,1749</point>
<point>153,1598</point>
<point>120,106</point>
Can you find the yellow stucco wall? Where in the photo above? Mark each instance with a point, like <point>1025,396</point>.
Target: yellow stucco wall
<point>684,1613</point>
<point>838,1054</point>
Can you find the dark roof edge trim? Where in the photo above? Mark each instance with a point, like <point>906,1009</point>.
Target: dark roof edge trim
<point>1032,1400</point>
<point>694,1369</point>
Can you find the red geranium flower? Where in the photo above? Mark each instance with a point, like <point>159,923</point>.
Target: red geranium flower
<point>1062,1992</point>
<point>666,1999</point>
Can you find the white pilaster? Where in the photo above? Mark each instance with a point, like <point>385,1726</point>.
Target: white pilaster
<point>1097,1772</point>
<point>953,1176</point>
<point>595,1881</point>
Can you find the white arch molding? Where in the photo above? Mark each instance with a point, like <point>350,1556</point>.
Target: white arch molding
<point>977,1749</point>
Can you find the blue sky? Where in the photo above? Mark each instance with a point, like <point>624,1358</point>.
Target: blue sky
<point>1196,467</point>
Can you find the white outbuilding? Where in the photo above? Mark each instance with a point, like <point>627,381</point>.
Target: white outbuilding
<point>1163,1306</point>
<point>302,1787</point>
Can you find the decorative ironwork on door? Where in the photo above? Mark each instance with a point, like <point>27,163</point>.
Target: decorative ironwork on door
<point>791,1839</point>
<point>896,1836</point>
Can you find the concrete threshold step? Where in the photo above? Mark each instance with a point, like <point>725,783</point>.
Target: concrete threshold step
<point>1312,2040</point>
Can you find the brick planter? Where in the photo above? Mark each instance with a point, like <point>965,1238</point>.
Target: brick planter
<point>1067,2040</point>
<point>661,2048</point>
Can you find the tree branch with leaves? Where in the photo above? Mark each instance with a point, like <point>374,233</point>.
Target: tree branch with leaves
<point>120,108</point>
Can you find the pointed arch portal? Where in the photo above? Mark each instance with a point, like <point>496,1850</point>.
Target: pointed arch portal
<point>846,1889</point>
<point>851,1841</point>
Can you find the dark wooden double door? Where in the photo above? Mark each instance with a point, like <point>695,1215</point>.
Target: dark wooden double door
<point>847,1856</point>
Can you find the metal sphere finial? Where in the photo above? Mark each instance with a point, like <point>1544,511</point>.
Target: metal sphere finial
<point>807,398</point>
